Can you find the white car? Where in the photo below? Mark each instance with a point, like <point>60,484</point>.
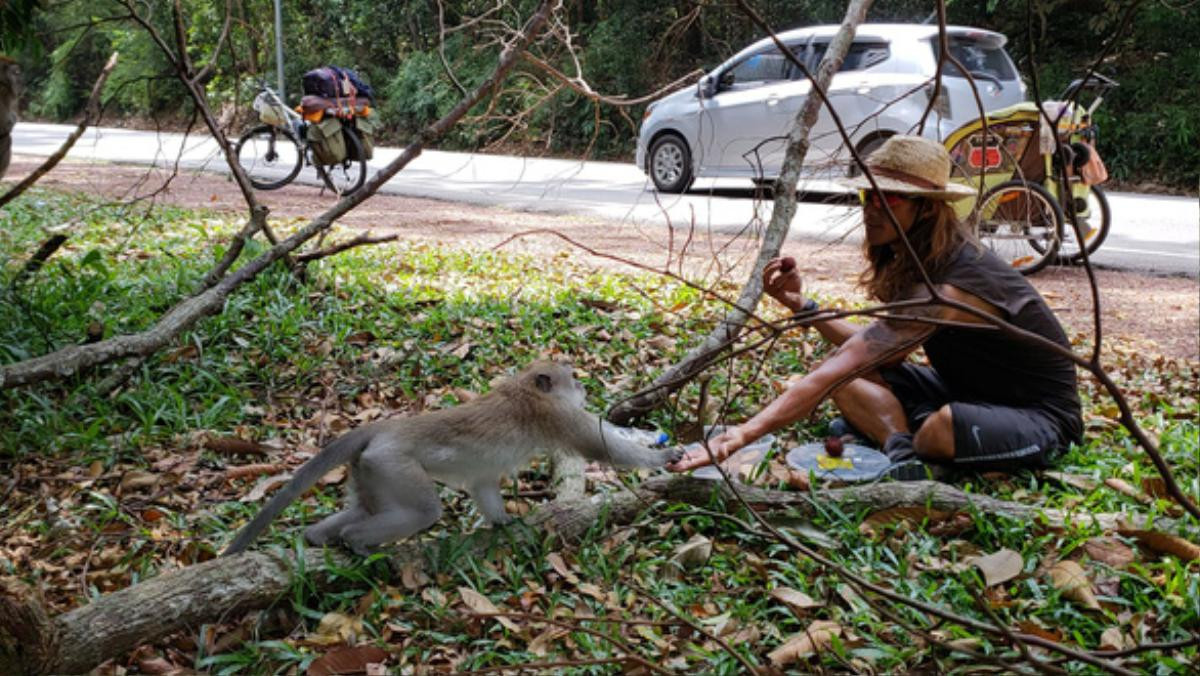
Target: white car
<point>734,123</point>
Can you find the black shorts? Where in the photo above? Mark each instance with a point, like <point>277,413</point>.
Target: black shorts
<point>986,436</point>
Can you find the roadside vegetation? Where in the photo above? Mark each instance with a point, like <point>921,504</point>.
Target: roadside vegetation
<point>158,472</point>
<point>1149,125</point>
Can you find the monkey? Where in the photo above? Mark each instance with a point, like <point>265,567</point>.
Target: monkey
<point>395,463</point>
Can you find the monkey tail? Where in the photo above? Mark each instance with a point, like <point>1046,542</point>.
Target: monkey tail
<point>338,452</point>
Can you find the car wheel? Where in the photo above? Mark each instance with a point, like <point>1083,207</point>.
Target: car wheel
<point>864,151</point>
<point>670,164</point>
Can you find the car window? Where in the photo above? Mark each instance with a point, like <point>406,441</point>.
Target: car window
<point>860,56</point>
<point>766,66</point>
<point>979,56</point>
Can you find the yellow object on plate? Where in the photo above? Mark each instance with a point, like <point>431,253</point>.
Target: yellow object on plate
<point>829,462</point>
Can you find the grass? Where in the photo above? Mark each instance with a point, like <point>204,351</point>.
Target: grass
<point>116,488</point>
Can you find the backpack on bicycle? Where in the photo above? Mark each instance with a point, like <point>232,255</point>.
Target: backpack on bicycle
<point>342,92</point>
<point>333,82</point>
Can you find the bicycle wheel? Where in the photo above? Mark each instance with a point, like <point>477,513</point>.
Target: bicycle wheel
<point>1094,222</point>
<point>1022,223</point>
<point>347,176</point>
<point>270,156</point>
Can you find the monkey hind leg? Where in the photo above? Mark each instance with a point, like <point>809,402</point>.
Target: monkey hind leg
<point>329,529</point>
<point>396,524</point>
<point>400,498</point>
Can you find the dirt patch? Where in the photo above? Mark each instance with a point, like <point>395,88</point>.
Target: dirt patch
<point>1149,314</point>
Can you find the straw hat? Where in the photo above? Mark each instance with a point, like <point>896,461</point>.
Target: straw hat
<point>911,165</point>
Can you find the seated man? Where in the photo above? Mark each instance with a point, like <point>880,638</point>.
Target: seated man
<point>989,400</point>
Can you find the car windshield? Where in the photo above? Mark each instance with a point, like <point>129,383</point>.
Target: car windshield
<point>979,56</point>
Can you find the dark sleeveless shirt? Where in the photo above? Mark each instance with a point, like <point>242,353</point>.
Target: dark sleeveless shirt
<point>990,367</point>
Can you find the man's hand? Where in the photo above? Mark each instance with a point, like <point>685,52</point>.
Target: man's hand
<point>722,446</point>
<point>781,281</point>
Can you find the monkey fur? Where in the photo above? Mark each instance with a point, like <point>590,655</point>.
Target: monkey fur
<point>395,463</point>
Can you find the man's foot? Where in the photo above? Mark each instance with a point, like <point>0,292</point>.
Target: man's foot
<point>915,470</point>
<point>905,464</point>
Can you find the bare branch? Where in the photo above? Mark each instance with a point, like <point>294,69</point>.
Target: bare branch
<point>91,115</point>
<point>581,86</point>
<point>781,217</point>
<point>362,239</point>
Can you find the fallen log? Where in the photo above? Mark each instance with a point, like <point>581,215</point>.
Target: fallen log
<point>31,642</point>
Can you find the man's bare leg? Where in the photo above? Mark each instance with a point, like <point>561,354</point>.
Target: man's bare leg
<point>872,408</point>
<point>935,440</point>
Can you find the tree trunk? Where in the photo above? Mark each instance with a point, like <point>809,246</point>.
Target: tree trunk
<point>10,94</point>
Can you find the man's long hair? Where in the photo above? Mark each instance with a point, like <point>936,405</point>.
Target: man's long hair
<point>936,236</point>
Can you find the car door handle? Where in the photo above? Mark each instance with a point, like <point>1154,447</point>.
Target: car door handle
<point>772,100</point>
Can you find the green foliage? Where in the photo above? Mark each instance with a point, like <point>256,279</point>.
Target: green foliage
<point>625,47</point>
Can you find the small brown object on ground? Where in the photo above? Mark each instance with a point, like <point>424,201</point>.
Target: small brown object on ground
<point>834,447</point>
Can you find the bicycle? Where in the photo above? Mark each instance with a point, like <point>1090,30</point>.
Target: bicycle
<point>282,143</point>
<point>1021,214</point>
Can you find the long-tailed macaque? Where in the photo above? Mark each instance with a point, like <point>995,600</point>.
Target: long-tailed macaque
<point>394,464</point>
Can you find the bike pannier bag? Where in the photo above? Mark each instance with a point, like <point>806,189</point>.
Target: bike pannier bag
<point>326,140</point>
<point>366,134</point>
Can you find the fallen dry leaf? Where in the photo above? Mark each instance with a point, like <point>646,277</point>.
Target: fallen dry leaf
<point>999,567</point>
<point>693,553</point>
<point>541,643</point>
<point>796,600</point>
<point>337,628</point>
<point>478,603</point>
<point>1035,629</point>
<point>1125,488</point>
<point>1165,543</point>
<point>1156,487</point>
<point>266,485</point>
<point>1114,639</point>
<point>1109,550</point>
<point>1070,577</point>
<point>1079,481</point>
<point>138,479</point>
<point>347,661</point>
<point>560,566</point>
<point>815,638</point>
<point>234,446</point>
<point>253,470</point>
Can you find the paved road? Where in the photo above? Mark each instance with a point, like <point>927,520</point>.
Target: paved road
<point>1150,233</point>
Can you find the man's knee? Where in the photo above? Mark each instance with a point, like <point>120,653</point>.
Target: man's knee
<point>935,439</point>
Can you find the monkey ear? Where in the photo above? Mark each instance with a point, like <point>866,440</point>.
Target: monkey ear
<point>543,382</point>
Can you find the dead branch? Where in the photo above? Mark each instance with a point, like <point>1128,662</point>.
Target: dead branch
<point>74,359</point>
<point>362,239</point>
<point>91,115</point>
<point>703,354</point>
<point>39,258</point>
<point>580,85</point>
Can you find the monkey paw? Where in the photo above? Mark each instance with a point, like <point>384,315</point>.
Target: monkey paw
<point>673,455</point>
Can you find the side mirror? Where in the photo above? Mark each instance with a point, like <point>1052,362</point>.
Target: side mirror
<point>707,87</point>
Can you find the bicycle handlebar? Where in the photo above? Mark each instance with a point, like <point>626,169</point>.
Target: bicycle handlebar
<point>1091,81</point>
